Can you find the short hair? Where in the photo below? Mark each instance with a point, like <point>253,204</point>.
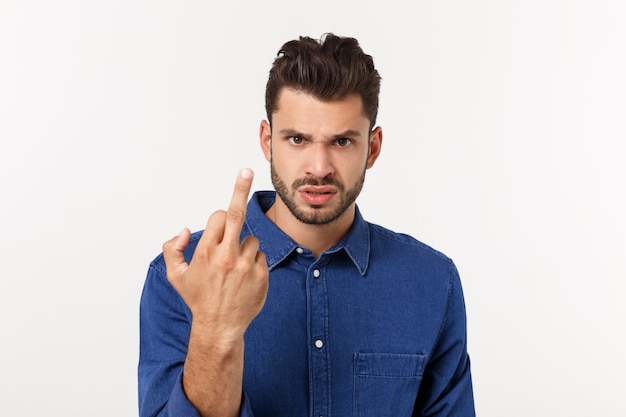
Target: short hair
<point>330,68</point>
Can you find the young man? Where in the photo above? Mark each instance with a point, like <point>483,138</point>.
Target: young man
<point>291,304</point>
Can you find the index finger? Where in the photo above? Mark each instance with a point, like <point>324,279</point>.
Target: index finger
<point>236,214</point>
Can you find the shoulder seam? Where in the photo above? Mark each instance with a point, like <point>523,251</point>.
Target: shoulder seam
<point>407,240</point>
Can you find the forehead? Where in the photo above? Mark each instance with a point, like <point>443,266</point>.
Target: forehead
<point>299,109</point>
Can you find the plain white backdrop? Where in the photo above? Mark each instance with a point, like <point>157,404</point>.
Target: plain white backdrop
<point>504,128</point>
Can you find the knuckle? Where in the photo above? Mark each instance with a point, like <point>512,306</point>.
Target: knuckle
<point>242,187</point>
<point>201,255</point>
<point>250,243</point>
<point>167,245</point>
<point>252,239</point>
<point>244,266</point>
<point>171,277</point>
<point>235,215</point>
<point>227,262</point>
<point>217,214</point>
<point>216,219</point>
<point>261,271</point>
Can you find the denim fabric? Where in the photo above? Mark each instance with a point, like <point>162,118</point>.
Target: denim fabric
<point>374,327</point>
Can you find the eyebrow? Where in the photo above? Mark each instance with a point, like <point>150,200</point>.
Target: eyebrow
<point>350,133</point>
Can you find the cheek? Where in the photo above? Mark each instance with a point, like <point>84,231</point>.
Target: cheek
<point>288,158</point>
<point>284,164</point>
<point>357,164</point>
<point>349,172</point>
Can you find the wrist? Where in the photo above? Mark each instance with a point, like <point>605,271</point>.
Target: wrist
<point>218,340</point>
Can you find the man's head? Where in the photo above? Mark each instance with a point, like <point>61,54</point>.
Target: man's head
<point>322,100</point>
<point>329,69</point>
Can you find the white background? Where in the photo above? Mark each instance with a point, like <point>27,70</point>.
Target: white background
<point>123,121</point>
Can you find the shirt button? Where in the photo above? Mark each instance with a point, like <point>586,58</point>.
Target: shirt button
<point>300,250</point>
<point>319,344</point>
<point>316,273</point>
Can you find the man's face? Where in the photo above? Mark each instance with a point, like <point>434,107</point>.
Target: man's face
<point>319,151</point>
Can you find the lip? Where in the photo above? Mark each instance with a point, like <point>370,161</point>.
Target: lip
<point>318,189</point>
<point>316,196</point>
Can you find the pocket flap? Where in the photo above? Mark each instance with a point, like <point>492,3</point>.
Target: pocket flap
<point>389,365</point>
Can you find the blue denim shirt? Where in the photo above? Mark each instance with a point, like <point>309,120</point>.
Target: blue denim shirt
<point>373,327</point>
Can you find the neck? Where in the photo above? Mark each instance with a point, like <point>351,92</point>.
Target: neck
<point>316,237</point>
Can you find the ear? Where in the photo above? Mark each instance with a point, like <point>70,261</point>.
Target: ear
<point>265,138</point>
<point>376,142</point>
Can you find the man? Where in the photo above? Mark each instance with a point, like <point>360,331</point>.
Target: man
<point>293,305</point>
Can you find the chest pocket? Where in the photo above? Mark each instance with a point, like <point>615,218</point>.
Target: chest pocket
<point>386,384</point>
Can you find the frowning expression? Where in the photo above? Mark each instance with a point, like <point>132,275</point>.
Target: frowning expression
<point>319,152</point>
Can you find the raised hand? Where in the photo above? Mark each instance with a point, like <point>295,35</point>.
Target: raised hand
<point>225,284</point>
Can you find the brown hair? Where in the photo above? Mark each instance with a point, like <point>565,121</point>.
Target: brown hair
<point>329,68</point>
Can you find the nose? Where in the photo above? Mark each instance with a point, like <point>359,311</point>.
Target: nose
<point>319,161</point>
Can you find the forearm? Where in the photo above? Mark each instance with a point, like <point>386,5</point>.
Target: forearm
<point>213,374</point>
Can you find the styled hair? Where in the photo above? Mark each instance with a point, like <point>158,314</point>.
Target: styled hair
<point>330,68</point>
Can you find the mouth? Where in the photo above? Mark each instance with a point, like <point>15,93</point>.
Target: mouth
<point>317,196</point>
<point>316,190</point>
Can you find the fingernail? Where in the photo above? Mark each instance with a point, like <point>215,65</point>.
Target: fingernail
<point>246,173</point>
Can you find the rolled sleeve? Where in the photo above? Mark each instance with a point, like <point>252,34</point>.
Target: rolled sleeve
<point>178,404</point>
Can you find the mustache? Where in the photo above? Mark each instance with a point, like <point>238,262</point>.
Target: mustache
<point>315,181</point>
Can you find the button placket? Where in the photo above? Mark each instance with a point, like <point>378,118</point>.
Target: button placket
<point>319,365</point>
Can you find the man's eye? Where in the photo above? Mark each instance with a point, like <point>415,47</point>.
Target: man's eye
<point>342,142</point>
<point>296,140</point>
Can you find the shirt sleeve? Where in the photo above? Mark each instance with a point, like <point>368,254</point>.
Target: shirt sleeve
<point>246,410</point>
<point>179,405</point>
<point>446,388</point>
<point>164,326</point>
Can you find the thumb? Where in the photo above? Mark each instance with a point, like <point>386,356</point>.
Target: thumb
<point>175,263</point>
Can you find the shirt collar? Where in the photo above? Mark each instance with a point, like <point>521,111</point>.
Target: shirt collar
<point>277,246</point>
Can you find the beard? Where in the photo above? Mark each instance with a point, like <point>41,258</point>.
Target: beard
<point>316,215</point>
